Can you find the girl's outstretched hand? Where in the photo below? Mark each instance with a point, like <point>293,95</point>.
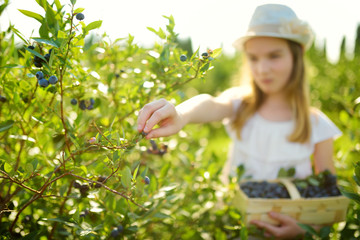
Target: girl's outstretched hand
<point>287,229</point>
<point>164,114</point>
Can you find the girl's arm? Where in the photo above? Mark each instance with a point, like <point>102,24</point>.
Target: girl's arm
<point>199,109</point>
<point>323,156</point>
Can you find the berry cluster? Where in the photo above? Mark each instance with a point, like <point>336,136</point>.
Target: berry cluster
<point>83,187</point>
<point>43,82</point>
<point>38,62</point>
<point>264,189</point>
<point>3,98</point>
<point>204,55</point>
<point>154,149</point>
<point>99,179</point>
<point>84,104</point>
<point>117,231</point>
<point>317,186</point>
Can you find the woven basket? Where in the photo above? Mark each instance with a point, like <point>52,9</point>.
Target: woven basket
<point>325,210</point>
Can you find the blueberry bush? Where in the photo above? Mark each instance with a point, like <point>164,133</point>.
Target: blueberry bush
<point>72,164</point>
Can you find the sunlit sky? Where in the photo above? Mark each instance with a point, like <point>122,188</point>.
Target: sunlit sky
<point>209,23</point>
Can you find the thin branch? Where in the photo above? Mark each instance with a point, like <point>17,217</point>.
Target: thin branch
<point>109,189</point>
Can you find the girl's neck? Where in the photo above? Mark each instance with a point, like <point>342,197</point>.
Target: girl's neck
<point>276,108</point>
<point>278,100</point>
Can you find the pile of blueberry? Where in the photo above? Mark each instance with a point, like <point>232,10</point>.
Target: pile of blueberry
<point>317,186</point>
<point>323,184</point>
<point>264,189</point>
<point>43,82</point>
<point>84,104</point>
<point>38,62</point>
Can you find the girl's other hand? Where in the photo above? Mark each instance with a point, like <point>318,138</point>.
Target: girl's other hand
<point>287,229</point>
<point>164,114</point>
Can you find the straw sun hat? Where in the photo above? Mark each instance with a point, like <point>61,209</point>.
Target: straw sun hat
<point>275,20</point>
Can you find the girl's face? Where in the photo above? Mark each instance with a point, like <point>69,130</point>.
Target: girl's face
<point>271,63</point>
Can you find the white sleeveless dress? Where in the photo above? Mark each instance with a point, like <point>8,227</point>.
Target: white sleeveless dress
<point>263,149</point>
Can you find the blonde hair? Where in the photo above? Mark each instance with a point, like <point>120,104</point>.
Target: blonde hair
<point>297,92</point>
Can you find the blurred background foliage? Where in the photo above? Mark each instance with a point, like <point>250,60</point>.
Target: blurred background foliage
<point>185,198</point>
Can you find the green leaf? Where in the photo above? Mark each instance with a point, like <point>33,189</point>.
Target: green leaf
<point>73,2</point>
<point>205,67</point>
<point>6,125</point>
<point>12,66</point>
<point>46,41</point>
<point>143,173</point>
<point>79,10</point>
<point>32,15</point>
<point>216,52</point>
<point>152,30</point>
<point>42,4</point>
<point>43,31</point>
<point>3,6</point>
<point>93,25</point>
<point>61,34</point>
<point>313,181</point>
<point>35,163</point>
<point>351,195</point>
<point>32,235</point>
<point>29,168</point>
<point>165,54</point>
<point>344,117</point>
<point>126,177</point>
<point>7,167</point>
<point>19,34</point>
<point>135,172</point>
<point>115,155</point>
<point>308,229</point>
<point>36,53</point>
<point>58,5</point>
<point>161,215</point>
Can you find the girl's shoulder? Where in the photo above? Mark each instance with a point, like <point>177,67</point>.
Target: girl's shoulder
<point>323,126</point>
<point>317,116</point>
<point>234,93</point>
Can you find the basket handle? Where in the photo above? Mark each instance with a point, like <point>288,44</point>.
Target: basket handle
<point>293,192</point>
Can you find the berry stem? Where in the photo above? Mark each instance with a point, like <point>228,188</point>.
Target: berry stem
<point>62,73</point>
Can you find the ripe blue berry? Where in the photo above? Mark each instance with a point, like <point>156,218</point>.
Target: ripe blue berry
<point>39,75</point>
<point>73,101</point>
<point>47,57</point>
<point>115,232</point>
<point>2,99</point>
<point>92,101</point>
<point>120,228</point>
<point>31,47</point>
<point>183,58</point>
<point>38,64</point>
<point>205,55</point>
<point>147,180</point>
<point>80,16</point>
<point>53,79</point>
<point>43,82</point>
<point>82,105</point>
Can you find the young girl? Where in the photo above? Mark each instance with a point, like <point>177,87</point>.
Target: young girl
<point>272,125</point>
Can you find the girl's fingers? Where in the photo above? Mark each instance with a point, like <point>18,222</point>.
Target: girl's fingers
<point>271,229</point>
<point>147,111</point>
<point>161,132</point>
<point>161,115</point>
